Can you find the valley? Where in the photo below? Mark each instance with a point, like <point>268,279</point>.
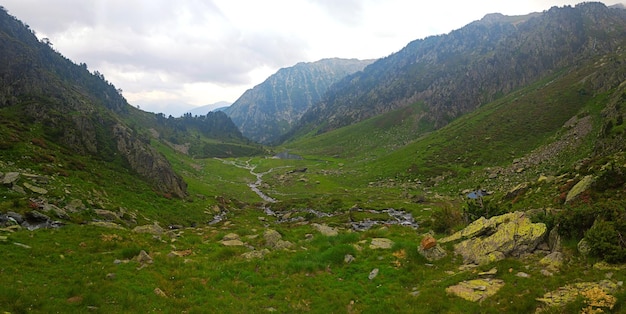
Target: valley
<point>481,171</point>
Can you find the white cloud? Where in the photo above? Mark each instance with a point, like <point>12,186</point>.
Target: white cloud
<point>194,52</point>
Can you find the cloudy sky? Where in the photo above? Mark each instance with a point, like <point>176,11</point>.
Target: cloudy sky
<point>168,55</point>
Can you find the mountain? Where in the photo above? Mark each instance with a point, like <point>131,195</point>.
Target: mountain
<point>453,74</point>
<point>70,114</point>
<point>268,110</point>
<point>203,110</point>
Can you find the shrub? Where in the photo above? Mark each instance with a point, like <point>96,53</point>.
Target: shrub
<point>606,240</point>
<point>481,207</point>
<point>446,220</point>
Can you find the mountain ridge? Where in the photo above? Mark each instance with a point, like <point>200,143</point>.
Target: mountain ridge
<point>457,72</point>
<point>268,110</point>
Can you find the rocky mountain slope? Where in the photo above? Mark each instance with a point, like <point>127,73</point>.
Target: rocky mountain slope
<point>455,73</point>
<point>67,111</point>
<point>268,110</point>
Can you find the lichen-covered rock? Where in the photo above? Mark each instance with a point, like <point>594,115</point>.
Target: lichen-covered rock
<point>326,230</point>
<point>477,289</point>
<point>10,178</point>
<point>571,292</point>
<point>271,237</point>
<point>580,187</point>
<point>151,229</point>
<point>552,261</point>
<point>583,247</point>
<point>432,254</point>
<point>511,234</point>
<point>381,243</point>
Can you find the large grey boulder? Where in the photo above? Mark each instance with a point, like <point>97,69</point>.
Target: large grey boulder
<point>489,240</point>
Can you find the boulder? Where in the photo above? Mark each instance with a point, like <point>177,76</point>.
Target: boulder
<point>255,254</point>
<point>583,247</point>
<point>381,243</point>
<point>587,290</point>
<point>579,188</point>
<point>106,224</point>
<point>34,216</point>
<point>106,214</point>
<point>554,240</point>
<point>326,230</point>
<point>477,289</point>
<point>35,189</point>
<point>432,254</point>
<point>271,237</point>
<point>10,178</point>
<point>517,190</point>
<point>143,258</point>
<point>428,242</point>
<point>153,229</point>
<point>235,242</point>
<point>75,205</point>
<point>493,239</point>
<point>552,261</point>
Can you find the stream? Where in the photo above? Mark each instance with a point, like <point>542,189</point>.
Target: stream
<point>254,186</point>
<point>396,217</point>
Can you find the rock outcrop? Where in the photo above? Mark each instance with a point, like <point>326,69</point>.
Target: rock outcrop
<point>149,163</point>
<point>489,240</point>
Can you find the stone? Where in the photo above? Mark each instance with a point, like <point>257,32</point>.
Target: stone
<point>22,245</point>
<point>18,189</point>
<point>517,190</point>
<point>381,243</point>
<point>160,292</point>
<point>571,292</point>
<point>17,217</point>
<point>143,258</point>
<point>106,224</point>
<point>235,242</point>
<point>522,275</point>
<point>35,216</point>
<point>10,178</point>
<point>179,253</point>
<point>489,273</point>
<point>106,214</point>
<point>110,276</point>
<point>511,234</point>
<point>59,212</point>
<point>348,259</point>
<point>75,206</point>
<point>283,245</point>
<point>326,230</point>
<point>231,236</point>
<point>583,247</point>
<point>432,254</point>
<point>35,189</point>
<point>428,242</point>
<point>477,289</point>
<point>255,254</point>
<point>579,188</point>
<point>373,274</point>
<point>476,228</point>
<point>552,261</point>
<point>153,229</point>
<point>546,273</point>
<point>271,237</point>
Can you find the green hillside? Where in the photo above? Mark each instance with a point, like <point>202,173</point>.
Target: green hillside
<point>105,208</point>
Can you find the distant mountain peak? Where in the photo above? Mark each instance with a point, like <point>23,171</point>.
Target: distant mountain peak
<point>267,111</point>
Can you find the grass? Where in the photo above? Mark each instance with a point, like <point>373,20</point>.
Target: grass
<point>390,161</point>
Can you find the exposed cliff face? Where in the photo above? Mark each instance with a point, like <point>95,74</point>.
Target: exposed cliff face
<point>455,73</point>
<point>267,111</point>
<point>148,163</point>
